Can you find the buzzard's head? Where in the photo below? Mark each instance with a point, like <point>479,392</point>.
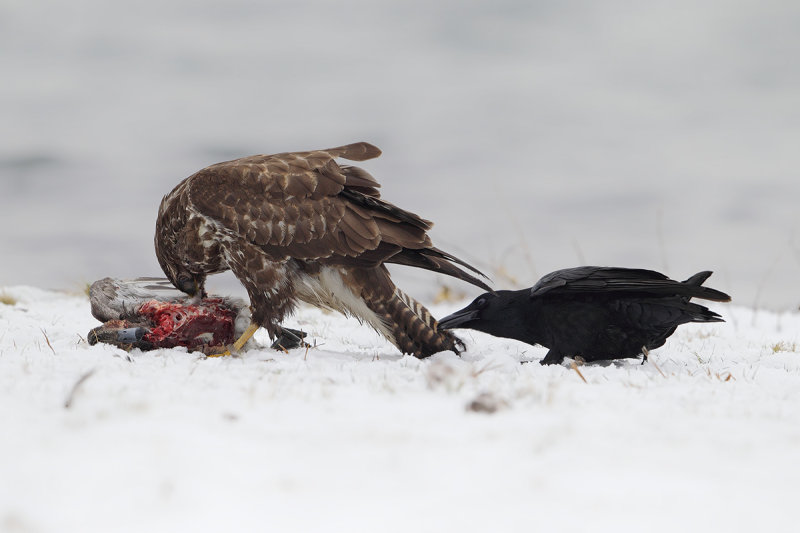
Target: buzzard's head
<point>192,283</point>
<point>170,243</point>
<point>188,282</point>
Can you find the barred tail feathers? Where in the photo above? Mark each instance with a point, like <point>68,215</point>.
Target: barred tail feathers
<point>369,295</point>
<point>405,322</point>
<point>414,329</point>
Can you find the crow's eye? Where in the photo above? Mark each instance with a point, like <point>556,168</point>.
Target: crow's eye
<point>480,303</point>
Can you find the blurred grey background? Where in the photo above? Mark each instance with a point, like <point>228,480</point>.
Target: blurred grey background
<point>536,134</point>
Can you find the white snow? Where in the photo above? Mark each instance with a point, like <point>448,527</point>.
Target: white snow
<point>351,436</point>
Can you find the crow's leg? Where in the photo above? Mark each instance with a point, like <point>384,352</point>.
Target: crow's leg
<point>289,338</point>
<point>645,354</point>
<point>553,357</point>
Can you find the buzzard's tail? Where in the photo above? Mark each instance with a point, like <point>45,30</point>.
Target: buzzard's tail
<point>406,323</point>
<point>436,260</point>
<point>407,231</point>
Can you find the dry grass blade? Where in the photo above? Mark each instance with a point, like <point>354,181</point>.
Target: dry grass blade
<point>574,367</point>
<point>448,295</point>
<point>75,387</point>
<point>308,347</point>
<point>657,367</point>
<point>48,341</point>
<point>784,346</point>
<point>501,273</point>
<point>485,368</point>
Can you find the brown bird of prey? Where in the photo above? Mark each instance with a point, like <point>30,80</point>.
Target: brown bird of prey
<point>301,227</point>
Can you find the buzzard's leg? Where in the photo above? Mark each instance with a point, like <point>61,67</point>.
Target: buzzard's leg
<point>251,329</point>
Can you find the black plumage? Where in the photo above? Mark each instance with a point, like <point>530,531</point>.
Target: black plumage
<point>592,312</point>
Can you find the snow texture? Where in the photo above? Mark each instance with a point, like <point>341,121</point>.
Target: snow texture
<point>352,436</point>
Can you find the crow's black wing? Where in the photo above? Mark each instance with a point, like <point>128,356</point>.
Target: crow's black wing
<point>594,279</point>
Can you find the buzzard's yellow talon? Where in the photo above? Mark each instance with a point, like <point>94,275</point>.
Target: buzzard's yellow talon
<point>245,337</point>
<point>239,342</point>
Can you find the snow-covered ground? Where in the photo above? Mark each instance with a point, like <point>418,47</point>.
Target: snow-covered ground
<point>351,436</point>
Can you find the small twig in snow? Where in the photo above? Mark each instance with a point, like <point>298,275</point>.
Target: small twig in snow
<point>478,371</point>
<point>308,346</point>
<point>657,367</point>
<point>75,387</point>
<point>48,340</point>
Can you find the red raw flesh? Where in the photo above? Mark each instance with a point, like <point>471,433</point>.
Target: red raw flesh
<point>180,324</point>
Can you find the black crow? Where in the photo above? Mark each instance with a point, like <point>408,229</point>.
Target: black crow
<point>592,312</point>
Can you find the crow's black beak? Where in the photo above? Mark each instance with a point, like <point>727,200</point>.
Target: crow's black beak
<point>459,319</point>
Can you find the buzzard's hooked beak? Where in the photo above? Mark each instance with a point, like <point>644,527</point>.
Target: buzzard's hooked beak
<point>459,319</point>
<point>189,285</point>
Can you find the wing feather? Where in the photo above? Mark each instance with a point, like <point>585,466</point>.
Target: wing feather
<point>591,279</point>
<point>305,206</point>
<point>360,151</point>
<point>272,200</point>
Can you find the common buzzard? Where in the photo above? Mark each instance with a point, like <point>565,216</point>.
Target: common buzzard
<point>300,226</point>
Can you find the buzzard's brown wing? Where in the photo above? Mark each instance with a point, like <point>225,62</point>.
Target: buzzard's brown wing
<point>306,206</point>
